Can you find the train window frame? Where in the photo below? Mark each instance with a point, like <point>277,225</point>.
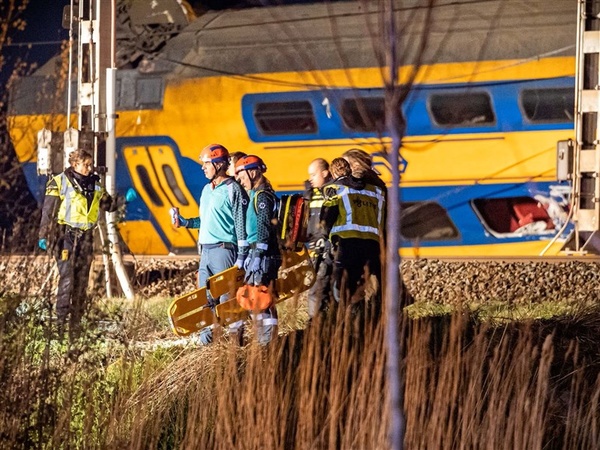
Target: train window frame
<point>437,215</point>
<point>146,181</point>
<point>484,109</point>
<point>260,118</point>
<point>511,216</point>
<point>378,126</point>
<point>169,174</point>
<point>544,103</point>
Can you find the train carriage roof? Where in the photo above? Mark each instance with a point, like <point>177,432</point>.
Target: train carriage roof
<point>344,34</point>
<point>332,35</point>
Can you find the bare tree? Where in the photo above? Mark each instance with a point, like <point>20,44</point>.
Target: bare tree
<point>13,189</point>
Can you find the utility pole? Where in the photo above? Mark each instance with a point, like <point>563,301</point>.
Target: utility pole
<point>96,108</point>
<point>586,164</point>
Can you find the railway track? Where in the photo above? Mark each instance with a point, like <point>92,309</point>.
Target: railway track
<point>448,280</point>
<point>35,258</point>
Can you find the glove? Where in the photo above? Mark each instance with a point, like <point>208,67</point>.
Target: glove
<point>176,218</point>
<point>239,263</point>
<point>43,244</point>
<point>130,195</point>
<point>205,336</point>
<point>254,270</point>
<point>247,263</point>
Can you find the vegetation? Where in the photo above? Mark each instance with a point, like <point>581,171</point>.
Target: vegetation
<point>16,202</point>
<point>485,376</point>
<point>127,382</point>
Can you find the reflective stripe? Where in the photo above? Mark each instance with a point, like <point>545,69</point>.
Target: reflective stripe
<point>242,243</point>
<point>355,227</point>
<point>347,206</point>
<point>235,326</point>
<point>261,246</point>
<point>265,319</point>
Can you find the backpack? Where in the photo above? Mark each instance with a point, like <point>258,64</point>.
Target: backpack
<point>292,213</point>
<point>293,217</point>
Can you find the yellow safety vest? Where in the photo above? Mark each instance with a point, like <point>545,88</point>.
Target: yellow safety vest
<point>317,199</point>
<point>361,212</point>
<point>73,210</point>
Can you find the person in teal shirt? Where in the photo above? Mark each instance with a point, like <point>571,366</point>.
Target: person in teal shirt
<point>222,241</point>
<point>264,260</point>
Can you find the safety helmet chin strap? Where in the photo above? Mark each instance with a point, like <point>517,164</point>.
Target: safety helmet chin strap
<point>211,179</point>
<point>217,170</point>
<point>252,178</point>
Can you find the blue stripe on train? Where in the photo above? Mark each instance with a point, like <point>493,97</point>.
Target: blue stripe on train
<point>457,201</point>
<point>326,107</point>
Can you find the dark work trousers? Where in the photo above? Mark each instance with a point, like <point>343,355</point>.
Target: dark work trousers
<point>74,253</point>
<point>319,294</point>
<point>353,259</point>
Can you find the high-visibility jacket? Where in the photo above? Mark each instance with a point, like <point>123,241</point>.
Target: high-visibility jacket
<point>360,211</point>
<point>74,210</point>
<point>315,204</point>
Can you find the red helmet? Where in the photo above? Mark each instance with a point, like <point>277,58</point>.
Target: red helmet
<point>250,162</point>
<point>214,153</point>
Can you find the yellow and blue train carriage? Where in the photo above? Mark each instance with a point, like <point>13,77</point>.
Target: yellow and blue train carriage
<point>492,96</point>
<point>466,190</point>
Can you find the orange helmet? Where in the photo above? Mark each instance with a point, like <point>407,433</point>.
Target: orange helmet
<point>250,162</point>
<point>214,153</point>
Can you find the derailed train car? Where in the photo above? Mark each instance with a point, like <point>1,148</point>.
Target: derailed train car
<point>492,96</point>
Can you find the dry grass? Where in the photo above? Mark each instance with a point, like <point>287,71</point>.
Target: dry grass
<point>468,382</point>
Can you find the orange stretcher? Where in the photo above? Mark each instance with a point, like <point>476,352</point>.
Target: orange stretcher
<point>190,312</point>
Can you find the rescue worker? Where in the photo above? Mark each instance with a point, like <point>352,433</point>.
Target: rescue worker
<point>353,214</point>
<point>264,260</point>
<point>72,204</point>
<point>233,158</point>
<point>361,165</point>
<point>222,240</point>
<point>319,246</point>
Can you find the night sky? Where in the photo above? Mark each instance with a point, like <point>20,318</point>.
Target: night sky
<point>41,38</point>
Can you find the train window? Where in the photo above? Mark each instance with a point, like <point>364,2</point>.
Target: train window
<point>275,118</point>
<point>172,181</point>
<point>364,114</point>
<point>426,221</point>
<point>34,94</point>
<point>519,215</point>
<point>462,109</point>
<point>548,105</point>
<point>148,92</point>
<point>125,90</point>
<point>147,183</point>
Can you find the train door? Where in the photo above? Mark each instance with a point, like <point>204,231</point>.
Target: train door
<point>156,174</point>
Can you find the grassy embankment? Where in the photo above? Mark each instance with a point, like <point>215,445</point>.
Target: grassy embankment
<point>493,378</point>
